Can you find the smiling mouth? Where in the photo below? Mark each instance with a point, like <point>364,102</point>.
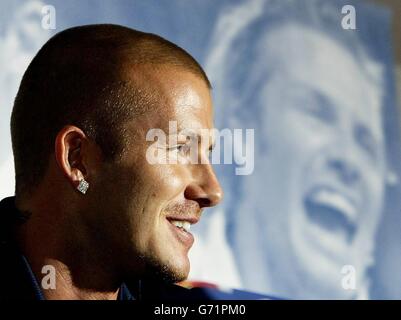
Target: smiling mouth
<point>180,229</point>
<point>180,224</point>
<point>331,211</point>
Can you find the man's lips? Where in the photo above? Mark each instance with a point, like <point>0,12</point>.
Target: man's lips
<point>192,219</point>
<point>180,226</point>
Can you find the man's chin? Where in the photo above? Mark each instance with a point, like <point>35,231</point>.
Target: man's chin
<point>166,272</point>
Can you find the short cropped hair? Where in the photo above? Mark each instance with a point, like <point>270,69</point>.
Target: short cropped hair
<point>75,79</point>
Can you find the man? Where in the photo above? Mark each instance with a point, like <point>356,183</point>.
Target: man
<point>307,217</point>
<point>88,205</point>
<point>326,169</point>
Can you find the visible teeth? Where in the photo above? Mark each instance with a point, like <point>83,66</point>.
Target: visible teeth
<point>177,223</point>
<point>186,225</point>
<point>338,202</point>
<point>182,224</point>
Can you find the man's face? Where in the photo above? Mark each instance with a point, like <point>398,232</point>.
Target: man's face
<point>325,168</point>
<point>137,201</point>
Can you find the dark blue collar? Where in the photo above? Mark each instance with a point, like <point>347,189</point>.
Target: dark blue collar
<point>33,281</point>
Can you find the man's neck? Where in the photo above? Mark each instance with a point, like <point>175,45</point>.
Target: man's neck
<point>63,269</point>
<point>66,289</point>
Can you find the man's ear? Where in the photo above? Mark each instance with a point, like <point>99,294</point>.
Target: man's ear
<point>71,148</point>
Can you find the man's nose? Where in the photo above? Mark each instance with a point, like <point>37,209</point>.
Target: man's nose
<point>345,170</point>
<point>205,187</point>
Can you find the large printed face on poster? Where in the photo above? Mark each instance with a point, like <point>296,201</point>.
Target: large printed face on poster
<point>324,166</point>
<point>308,214</point>
<point>304,222</point>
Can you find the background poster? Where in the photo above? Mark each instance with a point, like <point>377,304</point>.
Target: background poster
<point>322,201</point>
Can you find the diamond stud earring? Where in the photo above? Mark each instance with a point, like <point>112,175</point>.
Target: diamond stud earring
<point>83,186</point>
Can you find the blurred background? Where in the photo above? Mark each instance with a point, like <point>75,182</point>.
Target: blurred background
<point>320,84</point>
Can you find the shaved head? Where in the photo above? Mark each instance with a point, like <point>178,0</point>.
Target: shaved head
<point>90,77</point>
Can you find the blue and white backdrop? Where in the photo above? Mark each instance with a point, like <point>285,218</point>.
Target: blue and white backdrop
<point>320,215</point>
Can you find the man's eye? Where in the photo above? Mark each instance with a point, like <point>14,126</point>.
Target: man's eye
<point>314,104</point>
<point>210,151</point>
<point>366,140</point>
<point>181,148</point>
